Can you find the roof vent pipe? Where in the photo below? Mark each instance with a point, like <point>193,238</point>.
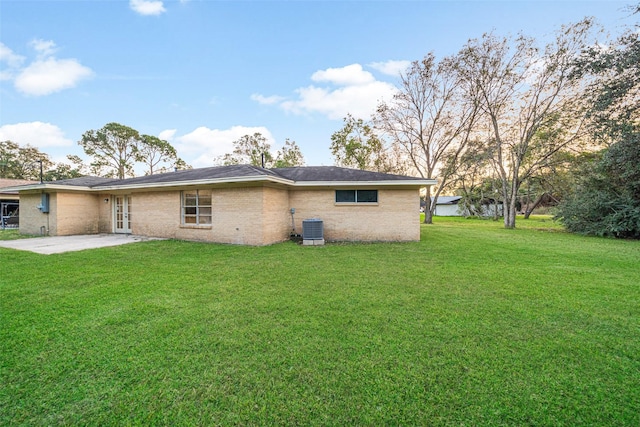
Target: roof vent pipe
<point>262,158</point>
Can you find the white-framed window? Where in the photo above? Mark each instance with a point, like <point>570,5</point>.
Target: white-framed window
<point>356,196</point>
<point>196,207</point>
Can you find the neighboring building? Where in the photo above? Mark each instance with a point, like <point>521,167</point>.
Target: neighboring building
<point>450,206</point>
<point>230,204</point>
<point>447,206</point>
<point>10,202</point>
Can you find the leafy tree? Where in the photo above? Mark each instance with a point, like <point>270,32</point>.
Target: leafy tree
<point>606,200</point>
<point>74,169</point>
<point>114,148</point>
<point>358,146</point>
<point>17,162</point>
<point>249,149</point>
<point>154,152</point>
<point>431,118</point>
<point>612,74</point>
<point>289,155</point>
<point>529,103</point>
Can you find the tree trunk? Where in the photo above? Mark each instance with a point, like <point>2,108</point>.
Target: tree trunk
<point>428,211</point>
<point>528,212</point>
<point>510,210</point>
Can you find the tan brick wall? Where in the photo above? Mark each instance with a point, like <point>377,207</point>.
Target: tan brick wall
<point>105,213</point>
<point>31,219</point>
<point>250,216</point>
<point>239,216</point>
<point>394,218</point>
<point>74,213</point>
<point>276,217</point>
<point>69,213</point>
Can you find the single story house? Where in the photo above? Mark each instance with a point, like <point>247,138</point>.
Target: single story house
<point>10,202</point>
<point>238,204</point>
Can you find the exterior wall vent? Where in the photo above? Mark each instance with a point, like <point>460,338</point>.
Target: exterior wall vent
<point>312,232</point>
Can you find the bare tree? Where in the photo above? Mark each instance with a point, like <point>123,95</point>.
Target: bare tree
<point>431,118</point>
<point>528,100</point>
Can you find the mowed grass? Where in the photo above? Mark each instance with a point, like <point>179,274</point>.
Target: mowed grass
<point>474,325</point>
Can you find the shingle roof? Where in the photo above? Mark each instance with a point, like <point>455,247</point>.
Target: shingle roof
<point>314,175</point>
<point>6,183</point>
<point>447,200</point>
<point>212,173</point>
<point>334,173</point>
<point>296,174</point>
<point>85,181</point>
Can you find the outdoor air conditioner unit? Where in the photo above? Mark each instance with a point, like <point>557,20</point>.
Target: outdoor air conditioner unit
<point>312,232</point>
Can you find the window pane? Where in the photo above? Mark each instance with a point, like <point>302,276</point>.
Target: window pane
<point>367,196</point>
<point>190,199</point>
<point>345,196</point>
<point>196,207</point>
<point>204,199</point>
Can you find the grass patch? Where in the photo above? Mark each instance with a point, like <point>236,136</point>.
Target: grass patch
<point>12,234</point>
<point>474,325</point>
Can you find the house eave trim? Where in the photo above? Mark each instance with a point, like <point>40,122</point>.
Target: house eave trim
<point>197,182</point>
<point>48,187</point>
<point>390,183</point>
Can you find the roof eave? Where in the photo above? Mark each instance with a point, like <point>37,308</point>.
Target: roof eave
<point>195,182</point>
<point>381,183</point>
<point>229,180</point>
<point>47,186</point>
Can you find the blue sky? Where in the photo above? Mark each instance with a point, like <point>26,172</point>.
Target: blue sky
<point>203,73</point>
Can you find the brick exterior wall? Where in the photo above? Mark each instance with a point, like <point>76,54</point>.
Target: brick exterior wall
<point>75,213</point>
<point>394,218</point>
<point>31,219</point>
<point>69,214</point>
<point>245,215</point>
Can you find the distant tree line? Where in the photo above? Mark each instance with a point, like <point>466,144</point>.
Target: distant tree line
<point>505,119</point>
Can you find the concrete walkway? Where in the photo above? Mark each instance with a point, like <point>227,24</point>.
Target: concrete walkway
<point>59,244</point>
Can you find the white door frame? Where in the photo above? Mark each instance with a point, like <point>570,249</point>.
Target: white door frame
<point>122,214</point>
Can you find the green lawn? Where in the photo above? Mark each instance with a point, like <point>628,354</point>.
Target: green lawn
<point>474,325</point>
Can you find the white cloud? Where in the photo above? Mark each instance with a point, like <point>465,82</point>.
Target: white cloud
<point>147,7</point>
<point>36,134</point>
<point>12,61</point>
<point>350,90</point>
<point>43,47</point>
<point>202,145</point>
<point>267,100</point>
<point>167,135</point>
<point>46,76</point>
<point>391,68</point>
<point>360,101</point>
<point>6,55</point>
<point>346,76</point>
